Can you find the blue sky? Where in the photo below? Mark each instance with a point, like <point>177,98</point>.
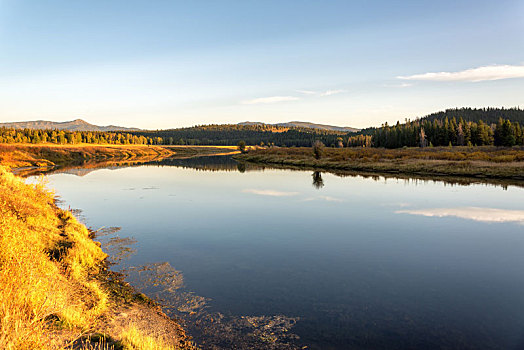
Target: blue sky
<point>161,64</point>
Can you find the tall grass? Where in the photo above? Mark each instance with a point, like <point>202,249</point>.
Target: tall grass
<point>487,153</point>
<point>134,339</point>
<point>51,294</point>
<point>484,162</point>
<point>46,259</point>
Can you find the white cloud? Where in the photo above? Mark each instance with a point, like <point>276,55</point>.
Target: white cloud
<point>271,193</point>
<point>401,85</point>
<point>324,198</point>
<point>472,213</point>
<point>494,72</point>
<point>307,92</point>
<point>272,99</point>
<point>331,92</point>
<point>277,99</point>
<point>321,93</point>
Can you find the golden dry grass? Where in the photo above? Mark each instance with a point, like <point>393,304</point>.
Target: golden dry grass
<point>39,155</point>
<point>50,155</point>
<point>133,339</point>
<point>46,258</point>
<point>492,154</point>
<point>489,162</point>
<point>51,291</point>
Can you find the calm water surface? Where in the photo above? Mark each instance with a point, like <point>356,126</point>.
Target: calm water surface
<point>358,263</point>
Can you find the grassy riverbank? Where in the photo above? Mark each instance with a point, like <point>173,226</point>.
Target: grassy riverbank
<point>28,155</point>
<point>55,289</point>
<point>51,155</point>
<point>481,162</point>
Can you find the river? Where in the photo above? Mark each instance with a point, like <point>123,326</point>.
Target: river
<point>275,258</point>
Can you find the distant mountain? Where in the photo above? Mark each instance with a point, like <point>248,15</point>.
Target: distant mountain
<point>74,125</point>
<point>298,124</point>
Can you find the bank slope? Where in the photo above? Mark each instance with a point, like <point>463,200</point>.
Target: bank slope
<point>55,290</point>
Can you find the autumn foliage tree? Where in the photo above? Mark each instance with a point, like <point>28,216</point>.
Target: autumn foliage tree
<point>318,149</point>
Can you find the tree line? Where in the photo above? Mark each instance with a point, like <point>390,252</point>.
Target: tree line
<point>227,135</point>
<point>448,132</point>
<point>464,126</point>
<point>8,135</point>
<point>259,134</point>
<point>456,127</point>
<point>488,115</point>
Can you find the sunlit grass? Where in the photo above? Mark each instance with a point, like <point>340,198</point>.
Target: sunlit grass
<point>28,155</point>
<point>46,258</point>
<point>93,155</point>
<point>493,154</point>
<point>495,162</point>
<point>51,293</point>
<point>133,339</point>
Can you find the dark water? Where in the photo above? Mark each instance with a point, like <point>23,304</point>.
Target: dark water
<point>357,263</point>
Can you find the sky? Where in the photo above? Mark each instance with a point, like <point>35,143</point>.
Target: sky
<point>167,64</point>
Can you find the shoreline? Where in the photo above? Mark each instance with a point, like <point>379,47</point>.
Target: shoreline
<point>439,162</point>
<point>52,155</point>
<point>109,312</point>
<point>22,158</point>
<point>56,287</point>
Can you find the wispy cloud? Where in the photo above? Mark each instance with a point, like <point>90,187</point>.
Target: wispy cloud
<point>277,99</point>
<point>401,85</point>
<point>323,198</point>
<point>307,92</point>
<point>472,213</point>
<point>271,193</point>
<point>331,92</point>
<point>272,99</point>
<point>494,72</point>
<point>321,93</point>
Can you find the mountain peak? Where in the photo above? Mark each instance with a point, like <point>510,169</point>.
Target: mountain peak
<point>300,124</point>
<point>78,121</point>
<point>74,125</point>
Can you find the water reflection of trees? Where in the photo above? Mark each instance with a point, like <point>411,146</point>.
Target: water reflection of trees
<point>227,163</point>
<point>241,166</point>
<point>208,163</point>
<point>200,163</point>
<point>318,182</point>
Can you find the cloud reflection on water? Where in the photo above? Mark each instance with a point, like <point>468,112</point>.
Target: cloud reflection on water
<point>491,215</point>
<point>324,198</point>
<point>271,193</point>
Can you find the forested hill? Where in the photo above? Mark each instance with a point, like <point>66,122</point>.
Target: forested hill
<point>459,126</point>
<point>298,124</point>
<point>74,125</point>
<point>444,132</point>
<point>256,134</point>
<point>487,115</point>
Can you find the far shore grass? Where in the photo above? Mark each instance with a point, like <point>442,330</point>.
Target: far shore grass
<point>478,162</point>
<point>52,155</point>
